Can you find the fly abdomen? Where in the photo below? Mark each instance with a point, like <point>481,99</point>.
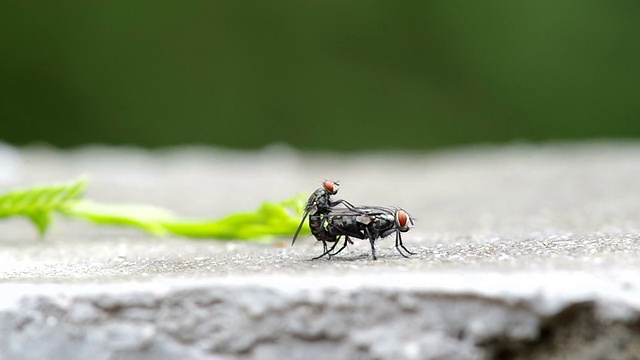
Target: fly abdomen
<point>316,224</point>
<point>349,225</point>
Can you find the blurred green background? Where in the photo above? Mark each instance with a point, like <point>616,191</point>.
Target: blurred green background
<point>341,75</point>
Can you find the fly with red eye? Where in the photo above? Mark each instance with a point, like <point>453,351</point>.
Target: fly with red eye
<point>366,223</point>
<point>329,223</point>
<point>319,205</point>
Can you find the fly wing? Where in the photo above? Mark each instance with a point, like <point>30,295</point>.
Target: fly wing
<point>304,217</point>
<point>345,224</point>
<point>379,209</point>
<point>343,211</point>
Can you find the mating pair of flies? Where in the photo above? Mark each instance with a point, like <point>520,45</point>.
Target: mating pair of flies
<point>329,222</point>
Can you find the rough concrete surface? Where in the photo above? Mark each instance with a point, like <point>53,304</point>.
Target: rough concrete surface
<point>523,252</point>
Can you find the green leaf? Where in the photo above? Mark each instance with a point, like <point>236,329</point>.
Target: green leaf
<point>271,219</point>
<point>148,218</point>
<point>42,220</point>
<point>39,203</point>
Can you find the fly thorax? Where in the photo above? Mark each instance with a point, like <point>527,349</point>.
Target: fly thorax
<point>324,204</point>
<point>387,218</point>
<point>384,222</point>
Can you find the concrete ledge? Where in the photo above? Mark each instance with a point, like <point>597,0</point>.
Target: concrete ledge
<point>523,253</point>
<point>389,316</point>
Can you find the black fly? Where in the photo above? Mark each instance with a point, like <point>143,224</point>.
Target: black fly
<point>318,206</point>
<point>366,222</point>
<point>328,223</point>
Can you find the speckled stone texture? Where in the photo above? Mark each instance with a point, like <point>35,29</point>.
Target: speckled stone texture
<point>523,252</point>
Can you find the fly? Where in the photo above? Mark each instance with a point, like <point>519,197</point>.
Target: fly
<point>366,223</point>
<point>320,204</point>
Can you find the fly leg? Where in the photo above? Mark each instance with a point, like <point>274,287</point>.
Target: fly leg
<point>347,204</point>
<point>327,251</point>
<point>399,241</point>
<point>372,241</point>
<point>332,247</point>
<point>347,240</point>
<point>324,251</point>
<point>398,244</point>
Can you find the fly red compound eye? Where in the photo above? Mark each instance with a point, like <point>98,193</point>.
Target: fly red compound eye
<point>402,219</point>
<point>330,186</point>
